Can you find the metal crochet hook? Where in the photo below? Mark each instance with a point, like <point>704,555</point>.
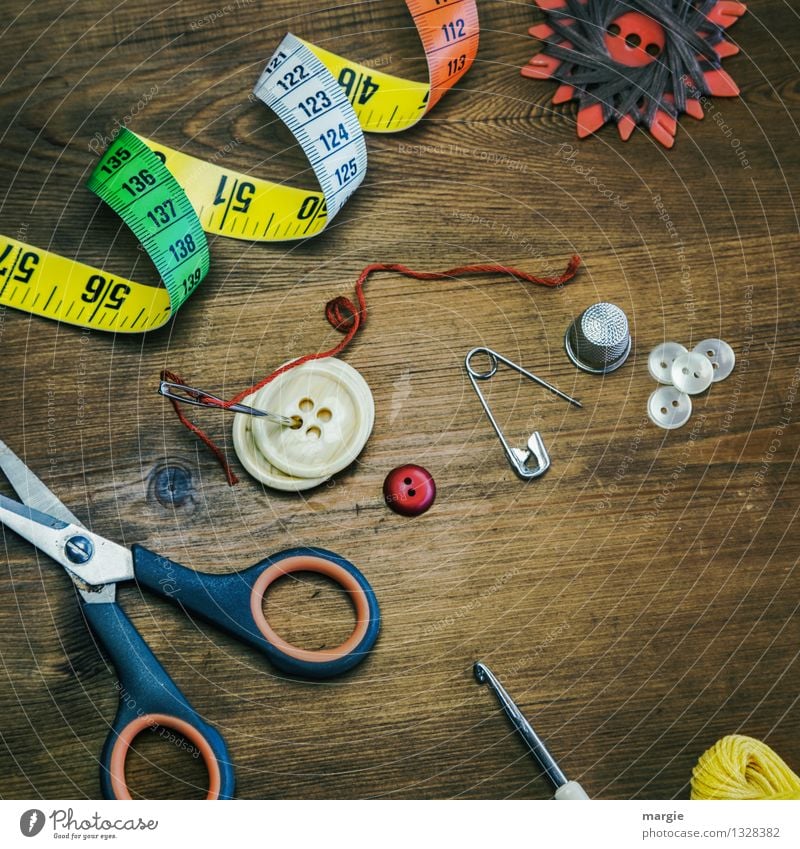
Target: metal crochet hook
<point>564,789</point>
<point>519,458</point>
<point>201,398</point>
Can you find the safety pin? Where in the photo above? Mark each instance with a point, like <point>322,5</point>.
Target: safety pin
<point>519,458</point>
<point>200,398</point>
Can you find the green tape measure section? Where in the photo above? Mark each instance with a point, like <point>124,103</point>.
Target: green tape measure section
<point>135,183</point>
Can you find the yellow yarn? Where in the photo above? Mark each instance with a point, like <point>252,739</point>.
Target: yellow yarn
<point>739,767</point>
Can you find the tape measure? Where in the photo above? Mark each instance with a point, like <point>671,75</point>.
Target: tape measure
<point>301,91</point>
<point>449,32</point>
<point>132,180</point>
<point>168,198</point>
<point>327,101</point>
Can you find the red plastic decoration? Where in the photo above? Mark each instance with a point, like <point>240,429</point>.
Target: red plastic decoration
<point>635,62</point>
<point>634,39</point>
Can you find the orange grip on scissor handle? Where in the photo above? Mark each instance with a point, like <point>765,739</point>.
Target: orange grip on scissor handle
<point>149,698</point>
<point>233,602</point>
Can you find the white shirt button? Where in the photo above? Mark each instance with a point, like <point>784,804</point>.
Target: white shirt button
<point>661,359</point>
<point>692,373</point>
<point>669,408</point>
<point>719,354</point>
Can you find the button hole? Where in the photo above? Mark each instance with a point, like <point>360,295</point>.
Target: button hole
<point>412,492</point>
<point>306,404</point>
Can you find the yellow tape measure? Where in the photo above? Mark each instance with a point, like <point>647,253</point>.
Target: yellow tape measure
<point>301,91</point>
<point>325,100</point>
<point>132,180</point>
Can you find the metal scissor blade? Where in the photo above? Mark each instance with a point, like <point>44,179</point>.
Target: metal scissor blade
<point>45,532</point>
<point>106,563</point>
<point>25,519</point>
<point>31,489</point>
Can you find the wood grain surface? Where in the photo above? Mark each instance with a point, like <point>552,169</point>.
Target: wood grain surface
<point>639,601</point>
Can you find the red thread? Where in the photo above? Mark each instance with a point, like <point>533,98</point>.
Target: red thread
<point>343,315</point>
<point>200,434</point>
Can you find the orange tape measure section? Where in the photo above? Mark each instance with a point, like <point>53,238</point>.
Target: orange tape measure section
<point>449,32</point>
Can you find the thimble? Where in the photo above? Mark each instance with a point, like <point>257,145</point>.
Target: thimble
<point>598,341</point>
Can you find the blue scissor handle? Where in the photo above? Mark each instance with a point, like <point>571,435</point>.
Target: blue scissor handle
<point>149,698</point>
<point>233,602</point>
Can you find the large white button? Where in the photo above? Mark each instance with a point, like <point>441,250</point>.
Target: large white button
<point>692,373</point>
<point>719,354</point>
<point>669,408</point>
<point>255,462</point>
<point>337,411</point>
<point>661,358</point>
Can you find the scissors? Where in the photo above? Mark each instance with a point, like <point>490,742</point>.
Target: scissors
<point>233,602</point>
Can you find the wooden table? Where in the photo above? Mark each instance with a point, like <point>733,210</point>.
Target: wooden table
<point>639,600</point>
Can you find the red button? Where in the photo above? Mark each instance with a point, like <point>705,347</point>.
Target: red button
<point>409,490</point>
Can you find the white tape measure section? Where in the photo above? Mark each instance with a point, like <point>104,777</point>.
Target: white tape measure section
<point>304,95</point>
